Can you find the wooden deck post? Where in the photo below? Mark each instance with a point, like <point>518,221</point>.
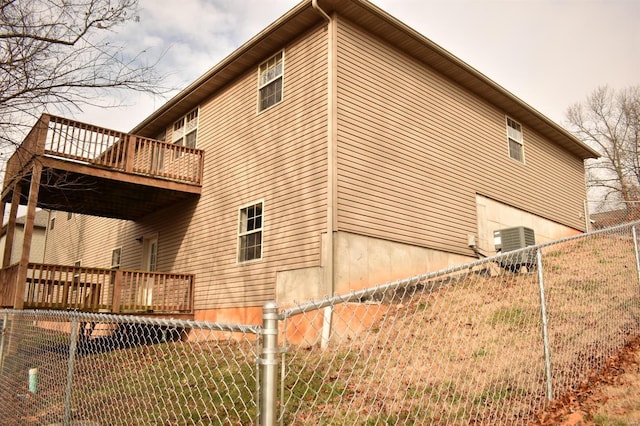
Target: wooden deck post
<point>129,152</point>
<point>11,225</point>
<point>21,282</point>
<point>117,289</point>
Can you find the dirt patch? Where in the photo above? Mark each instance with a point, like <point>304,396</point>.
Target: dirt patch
<point>607,397</point>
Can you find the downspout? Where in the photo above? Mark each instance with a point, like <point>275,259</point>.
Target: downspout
<point>329,250</point>
<point>314,3</point>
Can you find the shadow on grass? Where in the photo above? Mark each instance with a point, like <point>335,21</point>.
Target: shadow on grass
<point>124,336</point>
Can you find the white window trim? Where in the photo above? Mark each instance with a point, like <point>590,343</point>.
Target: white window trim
<point>268,82</point>
<point>114,266</point>
<point>515,136</point>
<point>147,245</point>
<point>187,127</point>
<point>241,234</point>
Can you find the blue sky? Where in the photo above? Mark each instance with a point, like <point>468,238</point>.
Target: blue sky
<point>549,53</point>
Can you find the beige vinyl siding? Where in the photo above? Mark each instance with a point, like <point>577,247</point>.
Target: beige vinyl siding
<point>278,156</point>
<point>414,149</point>
<point>91,239</point>
<point>37,244</point>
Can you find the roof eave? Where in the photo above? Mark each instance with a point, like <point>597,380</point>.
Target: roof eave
<point>422,48</point>
<point>388,28</point>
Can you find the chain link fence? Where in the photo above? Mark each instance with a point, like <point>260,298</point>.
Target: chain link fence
<point>72,368</point>
<point>483,343</point>
<point>606,214</point>
<point>489,342</point>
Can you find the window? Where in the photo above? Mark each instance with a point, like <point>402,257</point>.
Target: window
<point>52,224</point>
<point>69,215</point>
<point>516,143</point>
<point>185,130</point>
<point>250,233</point>
<point>270,81</point>
<point>115,257</point>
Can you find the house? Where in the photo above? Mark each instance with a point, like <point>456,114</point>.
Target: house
<point>336,150</point>
<point>39,238</point>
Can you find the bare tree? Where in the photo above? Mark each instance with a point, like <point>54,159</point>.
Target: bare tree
<point>609,122</point>
<point>57,54</point>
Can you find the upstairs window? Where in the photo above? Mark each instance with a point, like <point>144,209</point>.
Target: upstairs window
<point>250,233</point>
<point>516,142</point>
<point>185,130</point>
<point>270,81</point>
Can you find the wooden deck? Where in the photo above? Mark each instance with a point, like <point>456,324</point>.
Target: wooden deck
<point>91,170</point>
<point>61,287</point>
<point>70,166</point>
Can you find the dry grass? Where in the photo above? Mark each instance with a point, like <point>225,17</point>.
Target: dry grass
<point>457,350</point>
<point>607,397</point>
<point>119,381</point>
<point>471,351</point>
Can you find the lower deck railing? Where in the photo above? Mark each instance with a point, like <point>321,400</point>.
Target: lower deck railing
<point>98,289</point>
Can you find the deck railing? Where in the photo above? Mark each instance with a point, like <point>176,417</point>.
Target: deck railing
<point>86,143</point>
<point>31,145</point>
<point>99,290</point>
<point>8,277</point>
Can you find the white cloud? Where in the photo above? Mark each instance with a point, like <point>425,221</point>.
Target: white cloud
<point>189,37</point>
<point>549,53</point>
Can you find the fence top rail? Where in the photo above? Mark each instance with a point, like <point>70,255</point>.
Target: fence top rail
<point>131,319</point>
<point>357,296</point>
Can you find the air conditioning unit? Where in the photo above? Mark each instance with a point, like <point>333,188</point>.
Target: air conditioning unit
<point>510,239</point>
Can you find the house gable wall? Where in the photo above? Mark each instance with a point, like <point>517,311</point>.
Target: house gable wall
<point>277,156</point>
<point>414,149</point>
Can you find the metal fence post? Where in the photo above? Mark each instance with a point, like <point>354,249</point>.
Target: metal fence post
<point>72,355</point>
<point>587,219</point>
<point>269,364</point>
<point>545,331</point>
<point>635,246</point>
